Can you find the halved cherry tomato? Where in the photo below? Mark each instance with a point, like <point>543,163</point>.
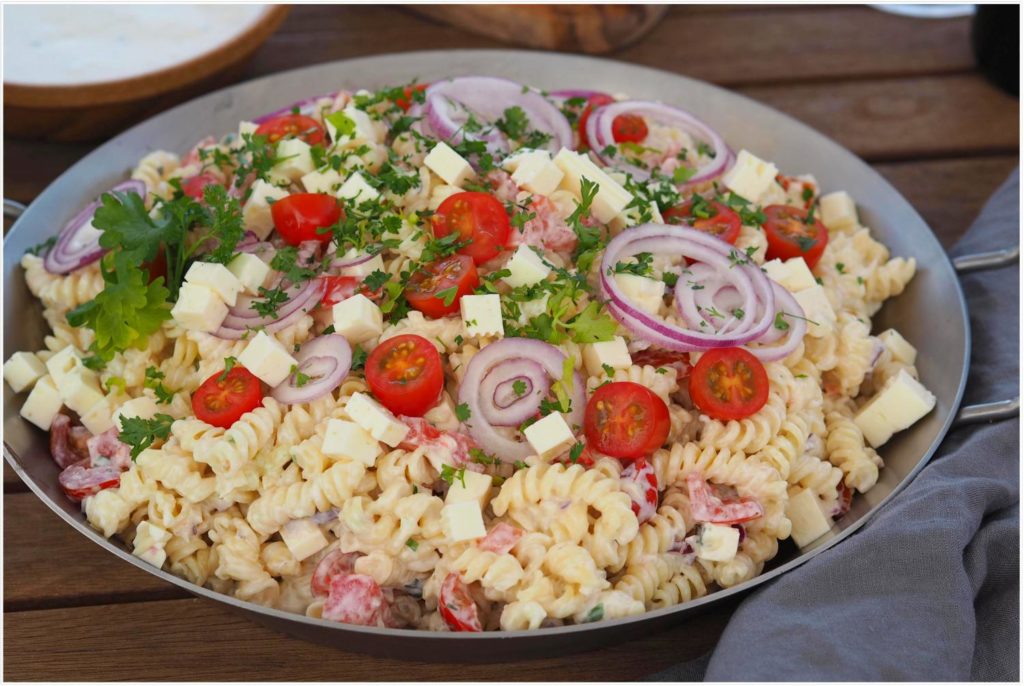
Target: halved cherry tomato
<point>721,222</point>
<point>629,128</point>
<point>626,420</point>
<point>429,289</point>
<point>593,103</point>
<point>222,402</point>
<point>405,374</point>
<point>479,218</point>
<point>728,383</point>
<point>304,216</point>
<point>708,507</point>
<point>456,605</point>
<point>791,235</point>
<point>406,99</point>
<point>292,126</point>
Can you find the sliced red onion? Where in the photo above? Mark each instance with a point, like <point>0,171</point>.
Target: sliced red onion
<point>326,360</point>
<point>305,106</point>
<point>78,243</point>
<point>599,135</point>
<point>346,262</point>
<point>502,406</point>
<point>450,103</point>
<point>243,317</point>
<point>792,314</point>
<point>571,93</point>
<point>524,354</point>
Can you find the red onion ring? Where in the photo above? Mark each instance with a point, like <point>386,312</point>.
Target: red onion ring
<point>344,263</point>
<point>327,359</point>
<point>243,317</point>
<point>570,93</point>
<point>305,106</point>
<point>78,243</point>
<point>524,352</point>
<point>505,407</point>
<point>785,304</point>
<point>599,135</point>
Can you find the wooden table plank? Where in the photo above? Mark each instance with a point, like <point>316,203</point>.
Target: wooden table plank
<point>163,640</point>
<point>12,483</point>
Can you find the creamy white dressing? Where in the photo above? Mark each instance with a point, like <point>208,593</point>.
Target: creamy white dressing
<point>79,44</point>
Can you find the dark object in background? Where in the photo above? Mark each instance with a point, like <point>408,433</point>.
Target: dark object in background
<point>995,38</point>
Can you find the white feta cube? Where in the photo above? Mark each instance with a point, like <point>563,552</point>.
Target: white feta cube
<point>303,538</point>
<point>326,181</point>
<point>526,267</point>
<point>294,160</point>
<point>80,389</point>
<point>267,359</point>
<point>462,522</point>
<point>611,198</point>
<point>376,419</point>
<point>838,210</point>
<point>256,215</point>
<point>481,314</point>
<point>821,318</point>
<point>793,274</point>
<point>247,128</point>
<point>549,435</point>
<point>613,353</point>
<point>532,308</point>
<point>142,407</point>
<point>22,370</point>
<point>358,319</point>
<point>356,190</point>
<point>250,271</point>
<point>99,418</point>
<point>352,124</point>
<point>809,521</point>
<point>750,176</point>
<point>538,174</point>
<point>513,161</point>
<point>199,308</point>
<point>217,278</point>
<point>43,403</point>
<point>350,441</point>
<point>646,294</point>
<point>899,404</point>
<point>452,167</point>
<point>363,269</point>
<point>717,542</point>
<point>472,487</point>
<point>901,350</point>
<point>64,361</point>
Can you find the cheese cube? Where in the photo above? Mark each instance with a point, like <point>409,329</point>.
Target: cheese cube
<point>462,522</point>
<point>43,403</point>
<point>326,181</point>
<point>477,489</point>
<point>513,161</point>
<point>199,308</point>
<point>482,314</point>
<point>817,309</point>
<point>356,190</point>
<point>80,389</point>
<point>363,269</point>
<point>838,210</point>
<point>247,127</point>
<point>376,419</point>
<point>644,293</point>
<point>217,278</point>
<point>526,267</point>
<point>717,542</point>
<point>532,308</point>
<point>899,404</point>
<point>350,441</point>
<point>149,543</point>
<point>142,407</point>
<point>65,361</point>
<point>99,418</point>
<point>448,164</point>
<point>267,359</point>
<point>22,370</point>
<point>611,198</point>
<point>256,212</point>
<point>303,538</point>
<point>351,124</point>
<point>538,174</point>
<point>809,520</point>
<point>549,435</point>
<point>750,176</point>
<point>358,319</point>
<point>656,214</point>
<point>901,350</point>
<point>250,271</point>
<point>793,274</point>
<point>612,353</point>
<point>294,160</point>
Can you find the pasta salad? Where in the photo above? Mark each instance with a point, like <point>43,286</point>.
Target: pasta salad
<point>466,356</point>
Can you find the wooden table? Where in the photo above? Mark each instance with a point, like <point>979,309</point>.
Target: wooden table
<point>901,93</point>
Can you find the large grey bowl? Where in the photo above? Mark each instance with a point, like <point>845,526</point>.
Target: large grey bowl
<point>933,302</point>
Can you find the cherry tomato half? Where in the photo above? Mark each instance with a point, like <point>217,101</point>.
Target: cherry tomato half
<point>221,402</point>
<point>629,128</point>
<point>429,289</point>
<point>728,383</point>
<point>407,98</point>
<point>479,218</point>
<point>790,234</point>
<point>710,216</point>
<point>292,126</point>
<point>304,216</point>
<point>405,374</point>
<point>626,420</point>
<point>456,605</point>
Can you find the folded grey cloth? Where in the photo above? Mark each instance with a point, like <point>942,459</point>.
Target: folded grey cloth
<point>929,589</point>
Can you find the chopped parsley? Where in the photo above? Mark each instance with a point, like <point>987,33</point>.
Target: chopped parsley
<point>519,388</point>
<point>450,475</point>
<point>575,451</point>
<point>154,378</point>
<point>229,364</point>
<point>462,412</point>
<point>139,433</point>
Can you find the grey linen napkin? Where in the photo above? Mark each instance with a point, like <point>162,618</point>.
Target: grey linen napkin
<point>928,590</point>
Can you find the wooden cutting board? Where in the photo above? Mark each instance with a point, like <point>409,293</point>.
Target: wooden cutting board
<point>591,29</point>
